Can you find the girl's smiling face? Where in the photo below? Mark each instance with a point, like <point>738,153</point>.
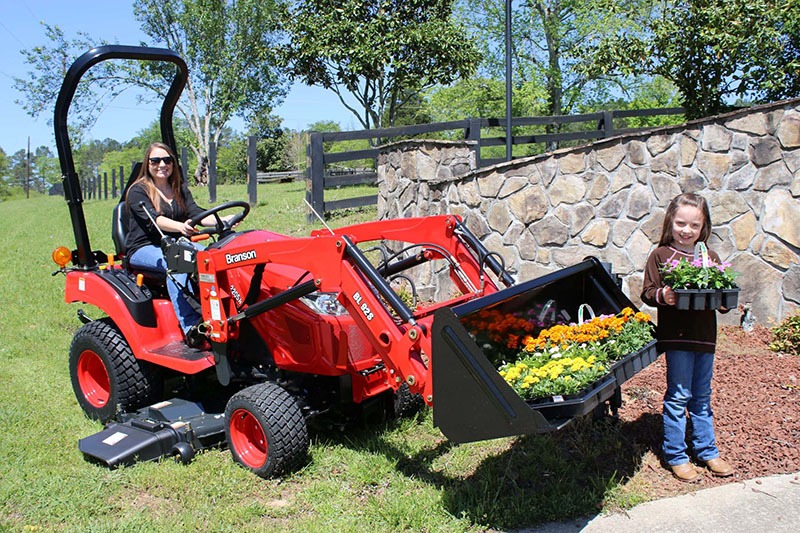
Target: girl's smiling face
<point>686,227</point>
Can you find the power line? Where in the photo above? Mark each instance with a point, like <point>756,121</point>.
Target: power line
<point>13,36</point>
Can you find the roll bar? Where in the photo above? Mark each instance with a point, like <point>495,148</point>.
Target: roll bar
<point>83,257</point>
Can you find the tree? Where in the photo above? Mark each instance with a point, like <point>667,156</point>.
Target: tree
<point>294,154</point>
<point>229,47</point>
<point>4,163</point>
<point>548,39</point>
<point>45,168</point>
<point>270,140</point>
<point>5,168</point>
<point>713,51</point>
<point>18,163</point>
<point>377,51</point>
<point>89,156</point>
<point>483,97</point>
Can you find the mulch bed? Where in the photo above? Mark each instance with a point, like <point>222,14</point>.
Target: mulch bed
<point>756,403</point>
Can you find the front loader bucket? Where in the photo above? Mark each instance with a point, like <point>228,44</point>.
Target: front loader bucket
<point>471,400</point>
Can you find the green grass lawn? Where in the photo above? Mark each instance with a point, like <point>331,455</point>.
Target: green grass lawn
<point>397,476</point>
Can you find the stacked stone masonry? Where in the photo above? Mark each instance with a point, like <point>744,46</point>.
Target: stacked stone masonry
<point>608,200</point>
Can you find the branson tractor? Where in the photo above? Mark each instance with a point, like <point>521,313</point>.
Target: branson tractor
<point>298,328</point>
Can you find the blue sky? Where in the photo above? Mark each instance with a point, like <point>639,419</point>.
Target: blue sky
<point>112,20</point>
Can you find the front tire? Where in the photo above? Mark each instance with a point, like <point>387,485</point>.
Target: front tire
<point>106,377</point>
<point>266,430</point>
<point>405,403</point>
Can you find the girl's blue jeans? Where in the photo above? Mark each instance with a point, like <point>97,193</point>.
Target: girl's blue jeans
<point>150,258</point>
<point>688,389</point>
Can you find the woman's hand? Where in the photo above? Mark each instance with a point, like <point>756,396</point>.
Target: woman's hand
<point>227,218</point>
<point>168,225</point>
<point>186,229</point>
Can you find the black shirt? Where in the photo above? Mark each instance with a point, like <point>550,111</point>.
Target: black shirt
<point>141,230</point>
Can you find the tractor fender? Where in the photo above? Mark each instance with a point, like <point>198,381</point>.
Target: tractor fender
<point>146,340</point>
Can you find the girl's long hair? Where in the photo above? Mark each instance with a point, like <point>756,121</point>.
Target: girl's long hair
<point>146,180</point>
<point>691,199</point>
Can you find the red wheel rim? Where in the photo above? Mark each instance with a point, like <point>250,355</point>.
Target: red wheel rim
<point>248,438</point>
<point>93,379</point>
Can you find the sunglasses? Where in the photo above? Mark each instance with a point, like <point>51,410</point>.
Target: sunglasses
<point>156,160</point>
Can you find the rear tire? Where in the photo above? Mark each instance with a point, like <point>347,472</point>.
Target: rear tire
<point>266,430</point>
<point>106,377</point>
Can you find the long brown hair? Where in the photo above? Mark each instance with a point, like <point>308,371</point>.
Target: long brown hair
<point>146,180</point>
<point>691,199</point>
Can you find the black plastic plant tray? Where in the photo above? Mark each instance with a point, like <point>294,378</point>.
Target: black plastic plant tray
<point>555,407</point>
<point>633,363</point>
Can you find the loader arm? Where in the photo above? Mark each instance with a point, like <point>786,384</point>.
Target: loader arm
<point>437,350</point>
<point>335,264</point>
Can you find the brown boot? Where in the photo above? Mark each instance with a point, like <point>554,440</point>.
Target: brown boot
<point>719,467</point>
<point>685,472</point>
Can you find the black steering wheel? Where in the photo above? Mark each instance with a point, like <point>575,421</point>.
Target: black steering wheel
<point>222,227</point>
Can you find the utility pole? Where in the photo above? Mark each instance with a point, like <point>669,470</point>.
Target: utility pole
<point>508,80</point>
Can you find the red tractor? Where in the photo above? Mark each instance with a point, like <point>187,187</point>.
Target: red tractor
<point>298,328</point>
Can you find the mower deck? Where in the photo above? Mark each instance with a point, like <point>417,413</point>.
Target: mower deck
<point>175,427</point>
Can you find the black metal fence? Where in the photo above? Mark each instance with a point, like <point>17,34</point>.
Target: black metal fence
<point>545,133</point>
<point>104,186</point>
<point>324,170</point>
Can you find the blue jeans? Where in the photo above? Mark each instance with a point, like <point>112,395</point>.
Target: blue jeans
<point>150,258</point>
<point>688,388</point>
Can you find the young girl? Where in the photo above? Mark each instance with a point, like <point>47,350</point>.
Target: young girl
<point>689,339</point>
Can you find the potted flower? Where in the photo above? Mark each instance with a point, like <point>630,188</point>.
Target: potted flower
<point>567,360</point>
<point>700,284</point>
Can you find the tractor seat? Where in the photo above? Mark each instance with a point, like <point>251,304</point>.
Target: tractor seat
<point>119,230</point>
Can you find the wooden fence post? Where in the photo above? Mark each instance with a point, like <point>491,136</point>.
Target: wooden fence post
<point>105,185</point>
<point>122,179</point>
<point>315,176</point>
<point>185,162</point>
<point>252,169</point>
<point>608,124</point>
<point>114,183</point>
<point>473,133</point>
<point>212,172</point>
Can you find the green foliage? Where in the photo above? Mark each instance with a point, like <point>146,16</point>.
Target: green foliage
<point>123,159</point>
<point>39,169</point>
<point>566,359</point>
<point>712,50</point>
<point>4,163</point>
<point>548,41</point>
<point>786,335</point>
<point>684,274</point>
<point>402,47</point>
<point>482,98</point>
<point>644,93</point>
<point>49,64</point>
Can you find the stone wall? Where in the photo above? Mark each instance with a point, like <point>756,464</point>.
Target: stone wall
<point>608,199</point>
